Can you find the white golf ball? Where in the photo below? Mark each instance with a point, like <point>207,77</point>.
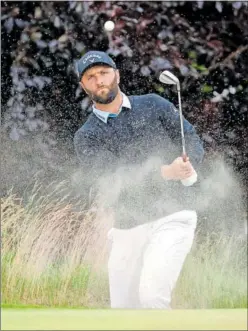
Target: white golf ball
<point>109,26</point>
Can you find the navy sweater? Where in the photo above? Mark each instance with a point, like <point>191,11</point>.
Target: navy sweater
<point>123,157</point>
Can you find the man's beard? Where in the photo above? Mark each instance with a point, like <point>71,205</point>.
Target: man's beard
<point>109,97</point>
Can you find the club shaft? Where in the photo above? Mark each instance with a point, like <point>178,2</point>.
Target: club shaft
<point>181,121</point>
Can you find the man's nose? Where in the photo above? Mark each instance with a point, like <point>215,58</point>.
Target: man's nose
<point>99,81</point>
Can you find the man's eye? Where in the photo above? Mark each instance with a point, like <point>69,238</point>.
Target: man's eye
<point>90,77</point>
<point>104,72</point>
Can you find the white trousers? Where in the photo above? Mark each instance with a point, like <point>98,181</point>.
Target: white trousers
<point>145,261</point>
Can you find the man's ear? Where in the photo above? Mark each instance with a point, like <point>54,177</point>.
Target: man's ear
<point>118,76</point>
<point>82,85</point>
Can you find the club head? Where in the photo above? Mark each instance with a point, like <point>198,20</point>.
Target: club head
<point>167,77</point>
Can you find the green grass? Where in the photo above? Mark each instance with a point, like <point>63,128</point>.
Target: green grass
<point>208,280</point>
<point>54,288</point>
<point>214,275</point>
<point>53,256</point>
<point>58,319</point>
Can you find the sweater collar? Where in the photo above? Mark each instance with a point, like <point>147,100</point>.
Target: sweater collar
<point>103,115</point>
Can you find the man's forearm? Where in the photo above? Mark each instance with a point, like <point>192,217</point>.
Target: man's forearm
<point>194,150</point>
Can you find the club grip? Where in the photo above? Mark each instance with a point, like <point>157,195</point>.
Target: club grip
<point>184,156</point>
<point>190,180</point>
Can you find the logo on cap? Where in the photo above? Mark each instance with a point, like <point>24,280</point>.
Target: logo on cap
<point>91,58</point>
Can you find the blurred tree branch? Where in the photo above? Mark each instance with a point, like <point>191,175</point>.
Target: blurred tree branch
<point>227,61</point>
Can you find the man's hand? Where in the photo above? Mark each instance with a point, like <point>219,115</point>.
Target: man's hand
<point>178,169</point>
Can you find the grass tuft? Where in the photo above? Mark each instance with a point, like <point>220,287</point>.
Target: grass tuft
<point>54,255</point>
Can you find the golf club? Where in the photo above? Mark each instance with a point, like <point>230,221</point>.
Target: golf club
<point>168,78</point>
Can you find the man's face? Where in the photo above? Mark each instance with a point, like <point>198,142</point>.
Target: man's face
<point>101,83</point>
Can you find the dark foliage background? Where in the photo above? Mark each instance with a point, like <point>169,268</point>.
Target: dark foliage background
<point>203,43</point>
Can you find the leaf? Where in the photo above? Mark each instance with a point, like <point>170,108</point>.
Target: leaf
<point>57,22</point>
<point>237,4</point>
<point>199,67</point>
<point>36,36</point>
<point>10,102</point>
<point>37,13</point>
<point>24,37</point>
<point>79,8</point>
<point>63,38</point>
<point>232,90</point>
<point>145,71</point>
<point>53,43</point>
<point>159,89</point>
<point>218,6</point>
<point>160,63</point>
<point>20,86</point>
<point>39,82</point>
<point>41,44</point>
<point>72,4</point>
<point>206,88</point>
<point>9,24</point>
<point>183,69</point>
<point>79,46</point>
<point>192,55</point>
<point>20,23</point>
<point>200,4</point>
<point>4,17</point>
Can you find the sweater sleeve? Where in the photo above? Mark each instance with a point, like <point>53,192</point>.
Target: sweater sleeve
<point>170,118</point>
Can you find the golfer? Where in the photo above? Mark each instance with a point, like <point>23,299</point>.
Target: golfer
<point>134,141</point>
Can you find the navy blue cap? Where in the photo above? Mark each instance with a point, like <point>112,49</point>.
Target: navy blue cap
<point>91,59</point>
